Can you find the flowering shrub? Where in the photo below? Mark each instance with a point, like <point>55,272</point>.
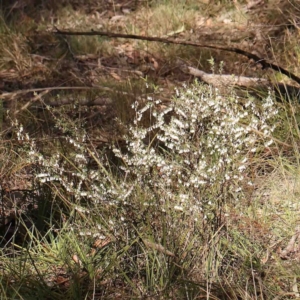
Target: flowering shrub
<point>202,154</point>
<point>192,158</point>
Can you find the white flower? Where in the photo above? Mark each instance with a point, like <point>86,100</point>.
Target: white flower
<point>178,208</point>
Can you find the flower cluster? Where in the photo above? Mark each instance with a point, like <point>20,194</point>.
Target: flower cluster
<point>202,144</point>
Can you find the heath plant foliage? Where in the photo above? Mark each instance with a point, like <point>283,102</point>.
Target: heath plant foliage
<point>192,158</point>
<point>182,164</point>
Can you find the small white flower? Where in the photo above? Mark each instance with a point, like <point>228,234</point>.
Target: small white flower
<point>269,143</point>
<point>178,208</point>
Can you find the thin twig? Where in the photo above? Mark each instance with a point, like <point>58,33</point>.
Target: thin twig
<point>34,99</point>
<point>266,64</point>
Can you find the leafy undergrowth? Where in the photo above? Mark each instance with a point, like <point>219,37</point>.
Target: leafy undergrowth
<point>186,208</point>
<point>115,185</point>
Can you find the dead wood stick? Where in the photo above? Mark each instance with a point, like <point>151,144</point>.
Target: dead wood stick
<point>282,90</point>
<point>58,101</point>
<point>8,95</point>
<point>226,80</point>
<point>34,99</point>
<point>266,64</point>
<point>64,100</point>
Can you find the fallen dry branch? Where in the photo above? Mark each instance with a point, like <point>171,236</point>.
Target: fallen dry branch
<point>217,80</point>
<point>40,92</point>
<point>11,95</point>
<point>226,80</point>
<point>266,64</point>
